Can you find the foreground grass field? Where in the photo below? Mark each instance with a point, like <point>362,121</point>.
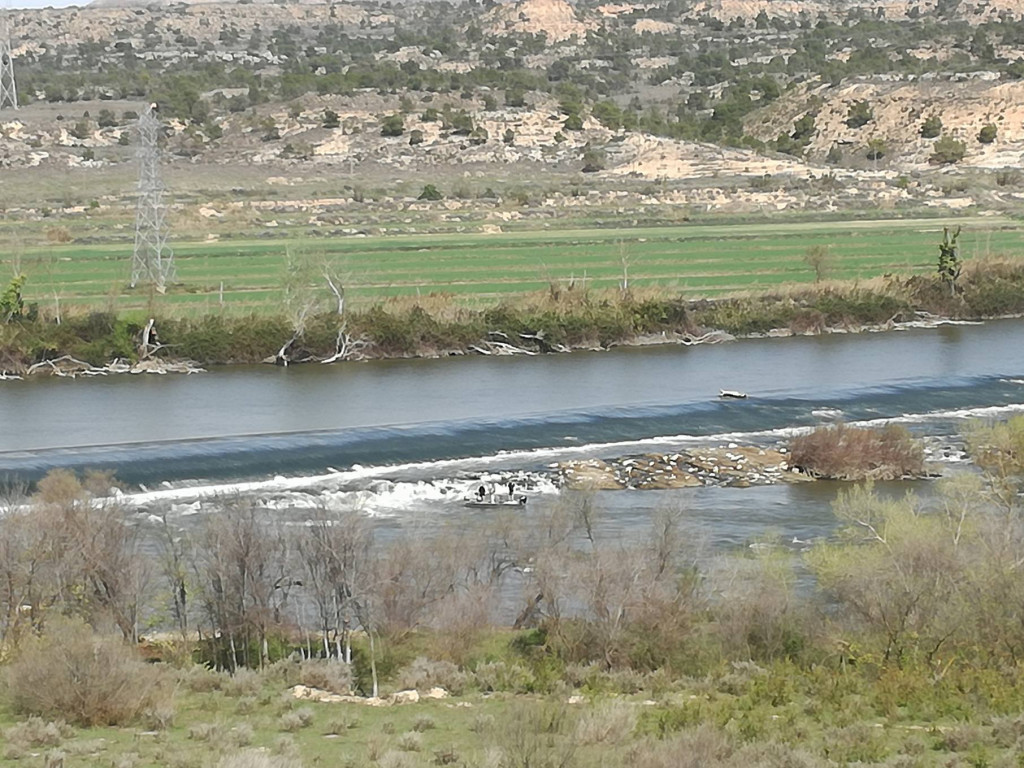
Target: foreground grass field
<point>694,260</point>
<point>745,715</point>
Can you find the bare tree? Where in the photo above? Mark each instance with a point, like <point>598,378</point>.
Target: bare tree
<point>66,550</point>
<point>244,577</point>
<point>335,548</point>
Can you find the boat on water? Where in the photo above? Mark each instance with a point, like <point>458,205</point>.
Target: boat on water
<point>519,500</point>
<point>732,394</point>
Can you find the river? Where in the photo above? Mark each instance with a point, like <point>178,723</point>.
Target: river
<point>408,438</point>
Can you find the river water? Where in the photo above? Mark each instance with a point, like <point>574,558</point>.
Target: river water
<point>408,439</point>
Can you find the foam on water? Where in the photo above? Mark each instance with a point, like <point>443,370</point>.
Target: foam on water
<point>389,489</point>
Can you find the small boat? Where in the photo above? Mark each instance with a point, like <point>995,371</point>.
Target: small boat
<point>732,394</point>
<point>487,502</point>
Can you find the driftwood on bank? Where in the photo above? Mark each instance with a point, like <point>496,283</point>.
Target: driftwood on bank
<point>71,368</point>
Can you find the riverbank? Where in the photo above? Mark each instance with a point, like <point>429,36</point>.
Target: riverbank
<point>551,321</point>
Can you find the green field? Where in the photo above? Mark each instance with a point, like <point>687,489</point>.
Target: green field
<point>693,260</point>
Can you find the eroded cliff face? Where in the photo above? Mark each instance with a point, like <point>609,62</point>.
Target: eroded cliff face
<point>964,104</point>
<point>557,19</point>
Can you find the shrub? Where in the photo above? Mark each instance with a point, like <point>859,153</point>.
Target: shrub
<point>205,732</point>
<point>36,732</point>
<point>255,758</point>
<point>410,742</point>
<point>987,134</point>
<point>842,452</point>
<point>244,682</point>
<point>424,723</point>
<point>700,747</point>
<point>394,759</point>
<point>159,717</point>
<point>341,724</point>
<point>327,675</point>
<point>611,723</point>
<point>241,735</point>
<point>392,125</point>
<point>430,192</point>
<point>931,127</point>
<point>424,674</point>
<point>90,680</point>
<point>294,721</point>
<point>948,150</point>
<point>200,679</point>
<point>859,114</point>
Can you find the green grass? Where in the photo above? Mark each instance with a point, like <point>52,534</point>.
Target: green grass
<point>693,260</point>
<point>817,715</point>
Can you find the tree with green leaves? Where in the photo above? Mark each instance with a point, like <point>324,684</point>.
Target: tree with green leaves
<point>392,125</point>
<point>819,259</point>
<point>593,159</point>
<point>931,127</point>
<point>988,133</point>
<point>331,119</point>
<point>876,149</point>
<point>859,114</point>
<point>608,114</point>
<point>12,305</point>
<point>949,258</point>
<point>431,193</point>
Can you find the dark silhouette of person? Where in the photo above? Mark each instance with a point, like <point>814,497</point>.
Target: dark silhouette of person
<point>481,492</point>
<point>511,489</point>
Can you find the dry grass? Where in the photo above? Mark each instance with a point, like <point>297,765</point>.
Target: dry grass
<point>842,452</point>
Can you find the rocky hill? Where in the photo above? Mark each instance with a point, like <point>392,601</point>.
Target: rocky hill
<point>899,109</point>
<point>724,104</point>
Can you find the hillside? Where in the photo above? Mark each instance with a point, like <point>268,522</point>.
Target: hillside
<point>722,106</point>
<point>899,109</point>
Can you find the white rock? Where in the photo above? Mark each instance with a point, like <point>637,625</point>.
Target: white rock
<point>405,697</point>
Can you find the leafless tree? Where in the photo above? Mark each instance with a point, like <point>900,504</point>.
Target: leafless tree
<point>68,550</point>
<point>244,577</point>
<point>334,549</point>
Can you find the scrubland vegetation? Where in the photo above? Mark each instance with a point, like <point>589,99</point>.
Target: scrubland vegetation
<point>842,452</point>
<point>904,649</point>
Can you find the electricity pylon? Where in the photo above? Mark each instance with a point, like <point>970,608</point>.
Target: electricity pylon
<point>153,260</point>
<point>8,88</point>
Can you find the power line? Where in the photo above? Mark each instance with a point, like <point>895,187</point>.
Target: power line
<point>153,259</point>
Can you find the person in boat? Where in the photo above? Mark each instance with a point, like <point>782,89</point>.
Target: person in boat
<point>481,492</point>
<point>511,489</point>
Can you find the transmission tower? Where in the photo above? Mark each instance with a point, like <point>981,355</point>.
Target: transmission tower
<point>153,260</point>
<point>8,90</point>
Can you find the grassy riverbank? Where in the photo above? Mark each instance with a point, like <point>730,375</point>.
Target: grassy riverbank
<point>559,318</point>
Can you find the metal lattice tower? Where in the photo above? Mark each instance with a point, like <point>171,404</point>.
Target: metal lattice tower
<point>153,260</point>
<point>8,89</point>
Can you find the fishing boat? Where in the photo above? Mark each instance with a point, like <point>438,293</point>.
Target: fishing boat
<point>495,500</point>
<point>732,394</point>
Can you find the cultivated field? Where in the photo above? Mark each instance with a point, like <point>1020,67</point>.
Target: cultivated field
<point>692,260</point>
